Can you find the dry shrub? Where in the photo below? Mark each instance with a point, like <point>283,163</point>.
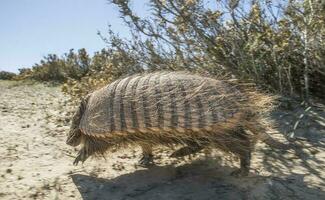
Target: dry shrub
<point>7,75</point>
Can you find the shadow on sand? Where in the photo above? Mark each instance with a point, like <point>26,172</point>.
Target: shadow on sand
<point>193,181</point>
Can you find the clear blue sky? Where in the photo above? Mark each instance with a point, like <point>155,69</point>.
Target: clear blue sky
<point>31,29</point>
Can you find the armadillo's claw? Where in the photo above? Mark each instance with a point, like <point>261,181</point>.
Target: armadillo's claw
<point>80,157</point>
<point>76,161</point>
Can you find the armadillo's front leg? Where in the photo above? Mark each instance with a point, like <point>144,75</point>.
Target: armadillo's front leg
<point>91,147</point>
<point>191,148</point>
<point>147,157</point>
<point>82,156</point>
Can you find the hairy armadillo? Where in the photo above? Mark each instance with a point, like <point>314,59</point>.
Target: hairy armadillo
<point>168,108</point>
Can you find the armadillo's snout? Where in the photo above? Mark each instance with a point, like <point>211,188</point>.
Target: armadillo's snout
<point>74,137</point>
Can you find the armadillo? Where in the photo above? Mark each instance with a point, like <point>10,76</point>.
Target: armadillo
<point>168,108</point>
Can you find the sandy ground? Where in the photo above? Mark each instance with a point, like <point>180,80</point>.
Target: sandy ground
<point>37,164</point>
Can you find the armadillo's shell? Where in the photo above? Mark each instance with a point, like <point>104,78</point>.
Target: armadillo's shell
<point>159,102</point>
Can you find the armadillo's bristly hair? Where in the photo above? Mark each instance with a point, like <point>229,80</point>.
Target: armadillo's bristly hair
<point>95,146</point>
<point>222,136</point>
<point>174,107</point>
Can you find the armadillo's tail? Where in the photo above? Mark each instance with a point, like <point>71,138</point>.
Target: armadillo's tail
<point>258,107</point>
<point>276,144</point>
<point>262,130</point>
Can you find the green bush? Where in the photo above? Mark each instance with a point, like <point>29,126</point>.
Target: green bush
<point>7,75</point>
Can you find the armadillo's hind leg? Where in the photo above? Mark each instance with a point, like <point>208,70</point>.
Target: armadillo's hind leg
<point>147,157</point>
<point>243,150</point>
<point>191,148</point>
<point>245,159</point>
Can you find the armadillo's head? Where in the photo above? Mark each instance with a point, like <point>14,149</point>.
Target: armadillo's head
<point>75,135</point>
